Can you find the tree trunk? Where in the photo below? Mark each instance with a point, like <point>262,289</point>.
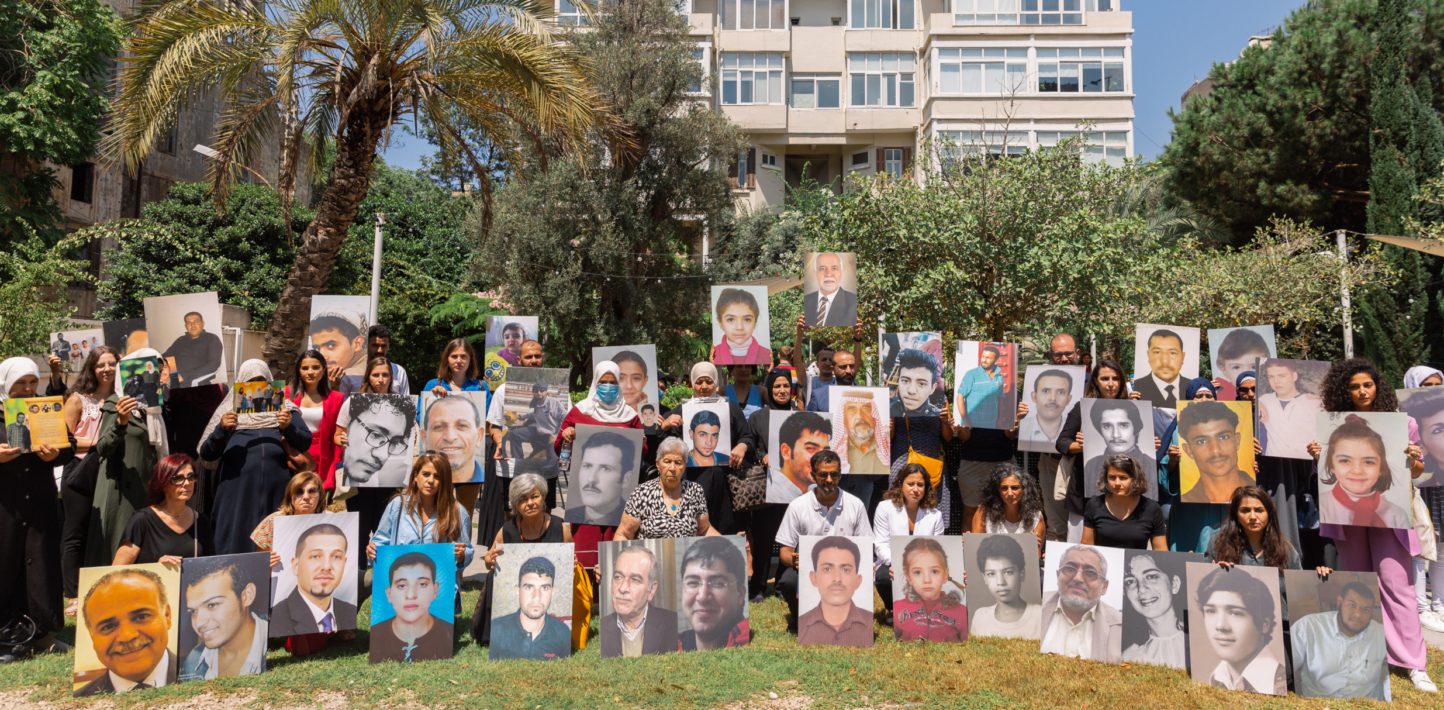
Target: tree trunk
<point>321,243</point>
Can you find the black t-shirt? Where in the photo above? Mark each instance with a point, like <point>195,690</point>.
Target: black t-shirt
<point>1135,533</point>
<point>987,445</point>
<point>156,540</point>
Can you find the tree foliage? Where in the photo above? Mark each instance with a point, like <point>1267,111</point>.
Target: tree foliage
<point>33,303</point>
<point>597,244</point>
<point>53,57</point>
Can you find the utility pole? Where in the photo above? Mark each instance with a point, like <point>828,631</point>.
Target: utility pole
<point>376,269</point>
<point>1344,293</point>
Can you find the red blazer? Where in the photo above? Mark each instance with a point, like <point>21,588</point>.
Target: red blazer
<point>324,450</point>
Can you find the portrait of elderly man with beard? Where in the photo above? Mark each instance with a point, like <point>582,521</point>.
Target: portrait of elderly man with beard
<point>1118,425</point>
<point>831,304</point>
<point>1076,620</point>
<point>857,437</point>
<point>128,617</point>
<point>714,595</point>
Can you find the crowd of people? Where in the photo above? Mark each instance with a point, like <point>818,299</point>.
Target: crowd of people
<point>143,484</point>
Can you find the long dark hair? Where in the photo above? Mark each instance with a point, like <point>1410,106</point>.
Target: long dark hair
<point>1093,390</point>
<point>298,388</point>
<point>993,507</point>
<point>1336,387</point>
<point>87,383</point>
<point>1230,543</point>
<point>443,368</point>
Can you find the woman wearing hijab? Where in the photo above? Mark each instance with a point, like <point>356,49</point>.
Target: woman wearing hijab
<point>1190,525</point>
<point>764,521</point>
<point>1422,376</point>
<point>1428,410</point>
<point>29,525</point>
<point>250,465</point>
<point>713,479</point>
<point>130,437</point>
<point>603,406</point>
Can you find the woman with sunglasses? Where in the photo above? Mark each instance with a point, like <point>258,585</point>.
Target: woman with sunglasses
<point>168,529</point>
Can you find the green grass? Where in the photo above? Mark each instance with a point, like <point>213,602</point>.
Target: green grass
<point>981,673</point>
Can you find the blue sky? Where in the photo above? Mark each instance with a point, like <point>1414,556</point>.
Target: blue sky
<point>1174,43</point>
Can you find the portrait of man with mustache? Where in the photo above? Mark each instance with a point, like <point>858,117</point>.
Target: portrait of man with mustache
<point>1076,620</point>
<point>836,574</point>
<point>127,616</point>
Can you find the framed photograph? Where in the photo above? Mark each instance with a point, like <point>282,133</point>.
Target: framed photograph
<point>257,403</point>
<point>834,596</point>
<point>639,589</point>
<point>1234,351</point>
<point>126,336</point>
<point>1165,358</point>
<point>1236,639</point>
<point>379,439</point>
<point>534,402</point>
<point>1049,391</point>
<point>707,432</point>
<point>1216,440</point>
<point>316,590</point>
<point>142,378</point>
<point>638,367</point>
<point>186,329</point>
<point>1155,607</point>
<point>124,608</point>
<point>1006,596</point>
<point>73,346</point>
<point>912,370</point>
<point>338,330</point>
<point>455,427</point>
<point>226,610</point>
<point>1336,635</point>
<point>1118,427</point>
<point>531,609</point>
<point>33,422</point>
<point>829,288</point>
<point>741,328</point>
<point>1083,585</point>
<point>985,384</point>
<point>793,437</point>
<point>413,602</point>
<point>1289,401</point>
<point>861,429</point>
<point>928,601</point>
<point>1363,471</point>
<point>504,336</point>
<point>606,464</point>
<point>712,587</point>
<point>1426,406</point>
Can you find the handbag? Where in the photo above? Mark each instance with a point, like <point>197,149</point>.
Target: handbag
<point>749,490</point>
<point>934,466</point>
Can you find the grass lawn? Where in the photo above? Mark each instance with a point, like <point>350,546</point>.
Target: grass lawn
<point>774,672</point>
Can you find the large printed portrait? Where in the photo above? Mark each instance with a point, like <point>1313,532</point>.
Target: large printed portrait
<point>637,367</point>
<point>225,615</point>
<point>707,432</point>
<point>186,329</point>
<point>1234,351</point>
<point>606,463</point>
<point>912,369</point>
<point>928,601</point>
<point>1426,406</point>
<point>1288,403</point>
<point>861,429</point>
<point>1336,635</point>
<point>535,401</point>
<point>834,599</point>
<point>126,629</point>
<point>829,288</point>
<point>1083,586</point>
<point>1049,391</point>
<point>985,390</point>
<point>794,438</point>
<point>1363,469</point>
<point>638,592</point>
<point>1155,607</point>
<point>1165,358</point>
<point>531,609</point>
<point>504,336</point>
<point>455,427</point>
<point>1236,639</point>
<point>337,329</point>
<point>379,439</point>
<point>413,602</point>
<point>316,590</point>
<point>741,327</point>
<point>712,588</point>
<point>1216,440</point>
<point>1118,427</point>
<point>1004,594</point>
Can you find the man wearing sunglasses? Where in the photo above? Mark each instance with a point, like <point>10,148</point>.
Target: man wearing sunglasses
<point>1076,620</point>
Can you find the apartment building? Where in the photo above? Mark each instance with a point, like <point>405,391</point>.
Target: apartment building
<point>825,88</point>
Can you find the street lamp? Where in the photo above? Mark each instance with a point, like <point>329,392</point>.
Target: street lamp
<point>214,154</point>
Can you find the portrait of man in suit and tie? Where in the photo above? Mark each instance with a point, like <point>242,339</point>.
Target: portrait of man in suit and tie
<point>638,624</point>
<point>829,286</point>
<point>127,617</point>
<point>320,564</point>
<point>1165,358</point>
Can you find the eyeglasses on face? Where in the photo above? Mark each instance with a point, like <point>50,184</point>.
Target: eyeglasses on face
<point>183,478</point>
<point>1090,574</point>
<point>377,439</point>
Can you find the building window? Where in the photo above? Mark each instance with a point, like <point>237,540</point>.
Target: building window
<point>768,160</point>
<point>570,15</point>
<point>883,79</point>
<point>816,92</point>
<point>168,141</point>
<point>954,146</point>
<point>82,182</point>
<point>743,173</point>
<point>1097,146</point>
<point>1024,12</point>
<point>892,161</point>
<point>701,84</point>
<point>882,14</point>
<point>751,78</point>
<point>754,14</point>
<point>964,70</point>
<point>1088,70</point>
<point>859,161</point>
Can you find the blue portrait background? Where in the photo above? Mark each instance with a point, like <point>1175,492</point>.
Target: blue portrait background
<point>443,554</point>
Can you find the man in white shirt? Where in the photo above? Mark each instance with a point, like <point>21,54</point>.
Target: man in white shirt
<point>824,510</point>
<point>128,619</point>
<point>1076,620</point>
<point>230,638</point>
<point>1286,414</point>
<point>1240,617</point>
<point>1052,393</point>
<point>1341,654</point>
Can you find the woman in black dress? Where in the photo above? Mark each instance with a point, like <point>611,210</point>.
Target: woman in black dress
<point>529,521</point>
<point>168,529</point>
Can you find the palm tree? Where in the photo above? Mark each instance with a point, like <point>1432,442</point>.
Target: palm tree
<point>338,73</point>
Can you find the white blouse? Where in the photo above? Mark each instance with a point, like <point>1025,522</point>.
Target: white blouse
<point>892,519</point>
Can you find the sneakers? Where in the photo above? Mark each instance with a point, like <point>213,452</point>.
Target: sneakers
<point>1421,681</point>
<point>1432,621</point>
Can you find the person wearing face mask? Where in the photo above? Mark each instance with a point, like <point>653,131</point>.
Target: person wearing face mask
<point>30,583</point>
<point>603,406</point>
<point>713,479</point>
<point>762,522</point>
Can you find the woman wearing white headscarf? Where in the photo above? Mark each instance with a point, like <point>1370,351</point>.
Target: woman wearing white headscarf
<point>707,385</point>
<point>1422,376</point>
<point>29,524</point>
<point>132,438</point>
<point>603,406</point>
<point>250,465</point>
